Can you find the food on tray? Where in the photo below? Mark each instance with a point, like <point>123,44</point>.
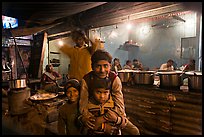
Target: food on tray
<point>43,96</point>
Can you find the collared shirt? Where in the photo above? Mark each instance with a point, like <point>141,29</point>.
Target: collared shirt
<point>164,67</point>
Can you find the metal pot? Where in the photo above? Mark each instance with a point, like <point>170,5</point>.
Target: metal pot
<point>170,78</point>
<point>144,77</point>
<point>17,84</point>
<point>194,80</point>
<point>125,75</point>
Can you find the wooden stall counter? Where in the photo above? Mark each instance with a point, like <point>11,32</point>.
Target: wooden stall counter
<point>159,111</point>
<point>41,119</point>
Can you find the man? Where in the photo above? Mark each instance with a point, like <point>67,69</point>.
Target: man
<point>80,54</point>
<point>101,65</point>
<point>137,65</point>
<point>168,65</point>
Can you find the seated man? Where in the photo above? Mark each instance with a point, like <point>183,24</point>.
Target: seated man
<point>168,65</point>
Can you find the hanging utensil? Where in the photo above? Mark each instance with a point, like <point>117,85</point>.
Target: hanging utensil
<point>17,49</point>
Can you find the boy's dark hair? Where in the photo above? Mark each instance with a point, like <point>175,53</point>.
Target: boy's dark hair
<point>100,55</point>
<point>101,83</point>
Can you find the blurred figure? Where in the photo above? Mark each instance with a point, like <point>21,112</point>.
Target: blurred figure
<point>80,54</point>
<point>190,66</point>
<point>116,65</point>
<point>137,65</point>
<point>128,65</point>
<point>6,70</point>
<point>175,65</point>
<point>5,65</point>
<point>49,79</point>
<point>168,65</point>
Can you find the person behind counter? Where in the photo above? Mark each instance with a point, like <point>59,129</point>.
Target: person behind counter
<point>190,66</point>
<point>80,54</point>
<point>49,79</point>
<point>101,65</point>
<point>128,65</point>
<point>168,65</point>
<point>116,65</point>
<point>68,123</point>
<point>137,65</point>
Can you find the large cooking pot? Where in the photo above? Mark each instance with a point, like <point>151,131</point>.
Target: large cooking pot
<point>125,75</point>
<point>194,80</point>
<point>171,79</point>
<point>17,83</point>
<point>144,77</point>
<point>16,101</point>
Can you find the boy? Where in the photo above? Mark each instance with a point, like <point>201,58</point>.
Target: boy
<point>68,113</point>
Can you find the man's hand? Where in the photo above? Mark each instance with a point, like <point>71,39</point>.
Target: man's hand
<point>111,116</point>
<point>109,129</point>
<point>88,121</point>
<point>98,122</point>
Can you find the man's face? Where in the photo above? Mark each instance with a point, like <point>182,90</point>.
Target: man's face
<point>169,64</point>
<point>102,68</point>
<point>80,42</point>
<point>101,95</point>
<point>117,62</point>
<point>72,94</point>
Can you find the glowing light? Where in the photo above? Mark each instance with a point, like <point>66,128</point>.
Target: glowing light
<point>60,42</point>
<point>113,34</point>
<point>129,26</point>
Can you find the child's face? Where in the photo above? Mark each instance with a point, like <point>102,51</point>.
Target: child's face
<point>72,94</point>
<point>101,95</point>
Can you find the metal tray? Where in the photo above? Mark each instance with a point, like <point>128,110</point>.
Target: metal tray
<point>43,96</point>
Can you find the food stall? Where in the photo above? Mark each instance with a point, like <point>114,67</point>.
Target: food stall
<point>157,102</point>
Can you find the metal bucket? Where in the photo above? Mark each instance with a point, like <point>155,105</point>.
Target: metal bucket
<point>170,79</point>
<point>144,77</point>
<point>125,75</point>
<point>16,101</point>
<point>17,84</point>
<point>194,80</point>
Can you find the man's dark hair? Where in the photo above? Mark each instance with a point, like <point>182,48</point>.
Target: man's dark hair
<point>135,60</point>
<point>75,34</point>
<point>170,60</point>
<point>100,55</point>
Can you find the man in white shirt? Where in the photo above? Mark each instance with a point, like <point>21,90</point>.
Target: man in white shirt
<point>168,65</point>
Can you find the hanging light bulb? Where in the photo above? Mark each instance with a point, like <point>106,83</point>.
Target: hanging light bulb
<point>129,26</point>
<point>60,42</point>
